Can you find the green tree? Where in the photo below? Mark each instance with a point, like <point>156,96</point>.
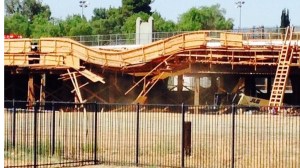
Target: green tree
<point>34,7</point>
<point>75,25</point>
<point>12,6</point>
<point>17,24</point>
<point>204,18</point>
<point>130,23</point>
<point>99,13</point>
<point>135,6</point>
<point>285,18</point>
<point>107,21</point>
<point>162,25</point>
<point>29,8</point>
<point>42,27</point>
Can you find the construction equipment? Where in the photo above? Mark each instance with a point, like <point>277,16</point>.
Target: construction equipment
<point>252,101</point>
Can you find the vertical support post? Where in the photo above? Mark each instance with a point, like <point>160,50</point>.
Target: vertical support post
<point>137,134</point>
<point>35,135</point>
<point>187,138</point>
<point>30,93</point>
<point>182,136</point>
<point>95,138</point>
<point>53,128</point>
<point>196,93</point>
<point>233,134</point>
<point>14,125</point>
<point>180,88</point>
<point>42,91</point>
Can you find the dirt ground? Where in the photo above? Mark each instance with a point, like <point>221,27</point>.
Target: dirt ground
<point>260,140</point>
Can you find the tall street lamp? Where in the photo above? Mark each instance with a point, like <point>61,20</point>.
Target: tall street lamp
<point>239,5</point>
<point>83,4</point>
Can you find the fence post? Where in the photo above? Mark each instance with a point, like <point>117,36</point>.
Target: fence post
<point>137,134</point>
<point>182,135</point>
<point>95,138</point>
<point>233,134</point>
<point>53,128</point>
<point>35,135</point>
<point>14,125</point>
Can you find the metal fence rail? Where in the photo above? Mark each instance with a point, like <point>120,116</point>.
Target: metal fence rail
<point>60,134</point>
<point>130,38</point>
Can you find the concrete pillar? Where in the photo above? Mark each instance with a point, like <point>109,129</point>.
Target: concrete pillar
<point>220,84</point>
<point>144,31</point>
<point>197,91</point>
<point>180,88</point>
<point>30,91</point>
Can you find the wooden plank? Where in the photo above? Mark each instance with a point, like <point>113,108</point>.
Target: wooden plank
<point>91,76</point>
<point>231,39</point>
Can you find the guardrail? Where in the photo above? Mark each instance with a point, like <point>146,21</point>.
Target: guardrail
<point>129,39</point>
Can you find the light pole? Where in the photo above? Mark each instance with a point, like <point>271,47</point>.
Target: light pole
<point>239,5</point>
<point>83,4</point>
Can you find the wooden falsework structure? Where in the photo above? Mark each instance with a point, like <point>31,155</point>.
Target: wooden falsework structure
<point>153,62</point>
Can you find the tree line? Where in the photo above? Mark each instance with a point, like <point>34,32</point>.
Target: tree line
<point>32,18</point>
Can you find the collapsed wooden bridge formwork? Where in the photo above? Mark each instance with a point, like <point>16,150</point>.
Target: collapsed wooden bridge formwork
<point>191,54</point>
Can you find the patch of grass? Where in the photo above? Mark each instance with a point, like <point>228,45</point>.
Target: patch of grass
<point>87,148</point>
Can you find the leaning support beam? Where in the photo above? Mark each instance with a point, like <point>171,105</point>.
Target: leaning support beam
<point>144,78</point>
<point>30,92</point>
<point>150,84</point>
<point>79,98</point>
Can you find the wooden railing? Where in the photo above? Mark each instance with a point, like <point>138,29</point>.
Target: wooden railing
<point>67,52</point>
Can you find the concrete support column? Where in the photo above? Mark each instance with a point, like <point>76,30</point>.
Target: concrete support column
<point>197,91</point>
<point>214,84</point>
<point>180,88</point>
<point>30,91</point>
<point>220,84</point>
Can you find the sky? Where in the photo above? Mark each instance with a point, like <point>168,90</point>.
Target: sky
<point>253,12</point>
